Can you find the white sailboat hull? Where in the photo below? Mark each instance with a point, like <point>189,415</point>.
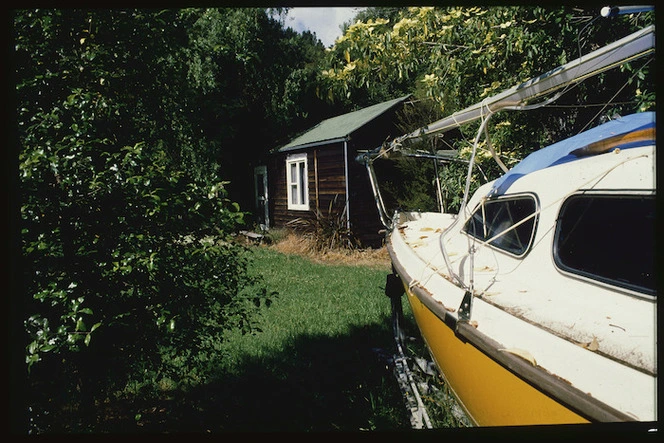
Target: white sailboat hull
<point>566,348</point>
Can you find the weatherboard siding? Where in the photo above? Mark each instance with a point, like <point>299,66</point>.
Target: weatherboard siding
<point>325,175</point>
<point>327,191</point>
<point>326,170</point>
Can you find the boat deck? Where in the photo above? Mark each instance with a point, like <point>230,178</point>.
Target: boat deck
<point>526,303</point>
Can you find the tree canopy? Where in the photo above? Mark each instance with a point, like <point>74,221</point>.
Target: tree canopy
<point>458,55</point>
<point>454,57</point>
<point>124,121</point>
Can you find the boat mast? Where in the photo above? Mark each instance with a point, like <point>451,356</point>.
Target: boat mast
<point>612,11</point>
<point>632,47</point>
<point>629,48</point>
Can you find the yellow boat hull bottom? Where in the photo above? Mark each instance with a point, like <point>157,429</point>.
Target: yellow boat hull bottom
<point>490,394</point>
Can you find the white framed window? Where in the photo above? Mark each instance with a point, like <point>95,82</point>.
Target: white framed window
<point>296,180</point>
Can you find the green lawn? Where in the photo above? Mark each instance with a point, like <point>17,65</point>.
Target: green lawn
<point>316,365</point>
<point>316,300</point>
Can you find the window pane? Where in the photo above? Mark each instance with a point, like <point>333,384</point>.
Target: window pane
<point>497,216</point>
<point>608,238</point>
<point>296,177</point>
<point>301,183</point>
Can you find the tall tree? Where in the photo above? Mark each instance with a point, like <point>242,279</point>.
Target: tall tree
<point>457,56</point>
<point>258,82</point>
<point>124,221</point>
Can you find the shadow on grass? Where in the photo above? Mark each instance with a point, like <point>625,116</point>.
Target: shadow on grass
<point>318,383</point>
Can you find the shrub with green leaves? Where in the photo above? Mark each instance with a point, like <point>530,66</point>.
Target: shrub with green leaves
<point>328,230</point>
<point>452,57</point>
<point>125,226</point>
<point>127,245</point>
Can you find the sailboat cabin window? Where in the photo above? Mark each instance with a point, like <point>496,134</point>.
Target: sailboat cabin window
<point>609,238</point>
<point>506,223</point>
<point>296,180</point>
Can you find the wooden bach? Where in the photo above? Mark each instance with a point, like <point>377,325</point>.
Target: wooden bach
<point>318,171</point>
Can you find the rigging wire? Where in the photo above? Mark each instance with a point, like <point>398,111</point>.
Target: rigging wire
<point>483,129</point>
<point>580,33</point>
<point>396,144</point>
<point>628,81</point>
<point>463,208</point>
<point>591,105</point>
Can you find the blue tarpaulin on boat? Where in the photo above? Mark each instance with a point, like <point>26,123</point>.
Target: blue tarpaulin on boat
<point>561,152</point>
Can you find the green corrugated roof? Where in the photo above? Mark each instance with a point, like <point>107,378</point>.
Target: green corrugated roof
<point>340,127</point>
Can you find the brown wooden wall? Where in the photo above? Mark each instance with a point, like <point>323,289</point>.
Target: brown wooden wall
<point>364,218</point>
<point>325,173</point>
<point>327,190</point>
<point>365,221</point>
<point>326,168</point>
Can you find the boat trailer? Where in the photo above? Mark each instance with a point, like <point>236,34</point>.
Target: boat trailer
<point>419,418</point>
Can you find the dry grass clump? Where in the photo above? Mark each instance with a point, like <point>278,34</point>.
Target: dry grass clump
<point>305,246</point>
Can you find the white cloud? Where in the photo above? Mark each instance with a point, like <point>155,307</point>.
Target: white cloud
<point>324,22</point>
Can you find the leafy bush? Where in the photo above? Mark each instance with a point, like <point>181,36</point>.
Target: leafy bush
<point>126,257</point>
<point>452,57</point>
<point>328,230</point>
<point>125,227</point>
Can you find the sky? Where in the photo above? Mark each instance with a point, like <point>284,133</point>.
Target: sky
<point>325,22</point>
